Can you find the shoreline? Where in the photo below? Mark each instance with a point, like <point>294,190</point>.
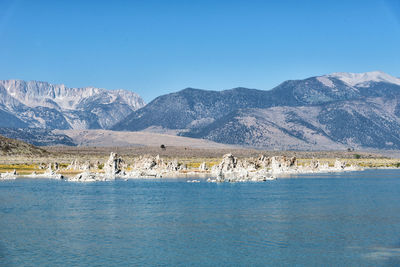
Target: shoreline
<point>189,177</point>
<point>228,169</point>
<point>87,164</point>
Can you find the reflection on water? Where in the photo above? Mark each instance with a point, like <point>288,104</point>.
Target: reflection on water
<point>383,253</point>
<point>339,219</point>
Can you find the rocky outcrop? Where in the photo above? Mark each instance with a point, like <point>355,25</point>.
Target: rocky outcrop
<point>263,161</point>
<point>142,167</point>
<point>113,169</point>
<point>52,172</point>
<point>9,175</point>
<point>148,166</point>
<point>77,166</point>
<point>282,164</point>
<point>314,164</point>
<point>339,164</point>
<point>203,167</point>
<point>231,169</point>
<point>113,166</point>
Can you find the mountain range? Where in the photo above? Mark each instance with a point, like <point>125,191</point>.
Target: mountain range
<point>44,105</point>
<point>335,111</point>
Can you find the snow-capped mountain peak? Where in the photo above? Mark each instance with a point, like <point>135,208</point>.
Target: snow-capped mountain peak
<point>363,79</point>
<point>45,105</point>
<point>36,93</point>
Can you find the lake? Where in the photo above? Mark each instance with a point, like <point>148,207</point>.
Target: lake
<point>343,219</point>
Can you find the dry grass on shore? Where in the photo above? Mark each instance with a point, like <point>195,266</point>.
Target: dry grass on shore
<point>189,152</point>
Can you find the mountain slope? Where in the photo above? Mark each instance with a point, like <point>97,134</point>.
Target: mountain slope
<point>37,137</point>
<point>9,120</point>
<point>192,108</point>
<point>107,138</point>
<point>338,125</point>
<point>45,105</point>
<point>10,146</point>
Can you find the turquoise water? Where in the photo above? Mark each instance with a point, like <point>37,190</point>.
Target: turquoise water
<point>347,219</point>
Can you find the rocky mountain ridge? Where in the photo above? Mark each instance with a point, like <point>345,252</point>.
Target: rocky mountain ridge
<point>333,111</point>
<point>44,105</point>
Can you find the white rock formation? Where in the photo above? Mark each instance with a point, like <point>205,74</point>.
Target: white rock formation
<point>264,168</point>
<point>112,167</point>
<point>230,169</point>
<point>314,164</point>
<point>9,175</point>
<point>203,167</point>
<point>281,164</point>
<point>51,174</point>
<point>148,166</point>
<point>112,170</point>
<point>339,164</point>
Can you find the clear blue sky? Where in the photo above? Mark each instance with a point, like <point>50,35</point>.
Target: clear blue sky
<point>157,47</point>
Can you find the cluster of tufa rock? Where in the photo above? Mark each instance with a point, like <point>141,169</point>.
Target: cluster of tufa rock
<point>77,166</point>
<point>148,166</point>
<point>113,169</point>
<point>50,173</point>
<point>9,175</point>
<point>230,169</point>
<point>143,167</point>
